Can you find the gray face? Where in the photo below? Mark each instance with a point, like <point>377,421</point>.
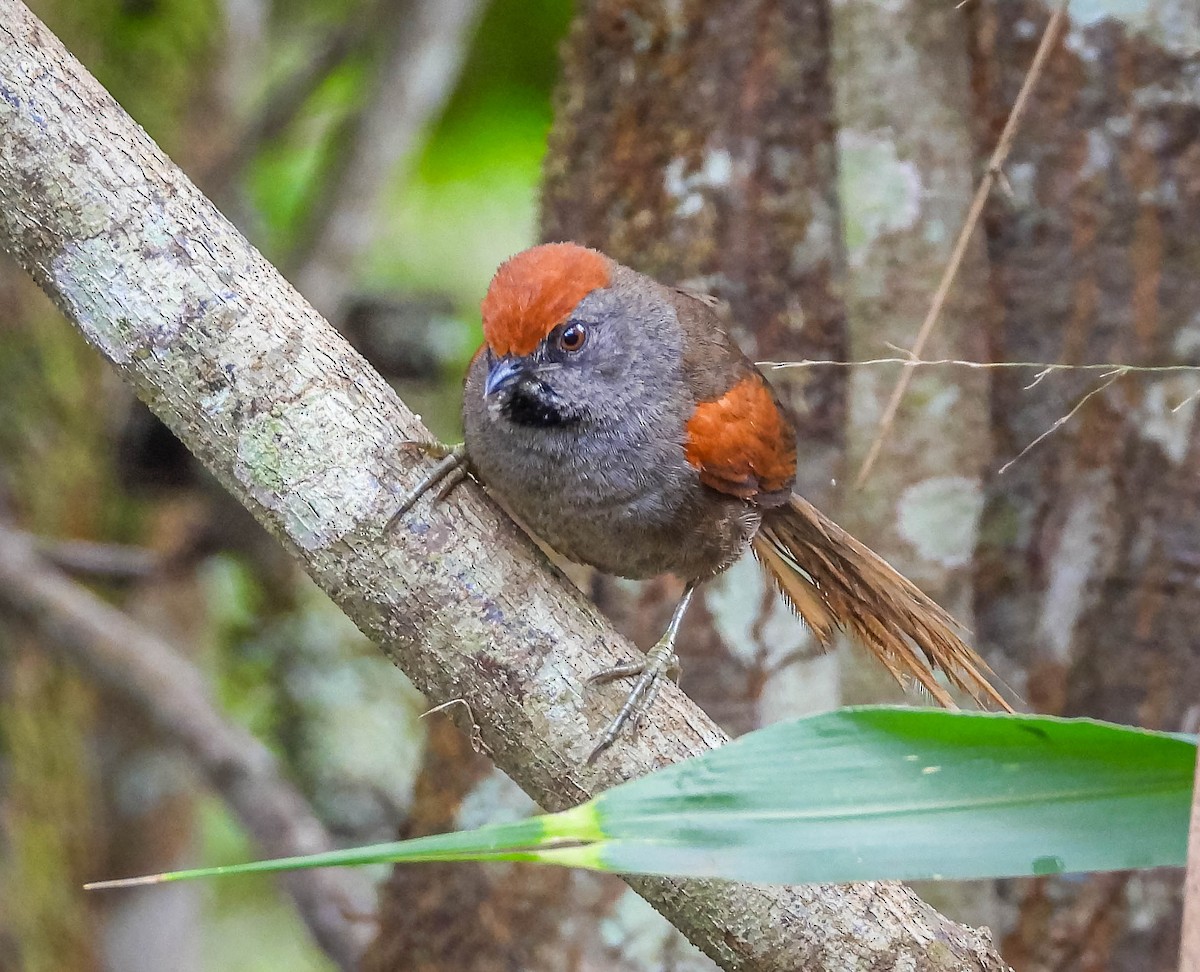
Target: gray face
<point>608,364</point>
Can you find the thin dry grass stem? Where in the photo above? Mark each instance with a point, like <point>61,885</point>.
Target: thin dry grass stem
<point>1044,368</point>
<point>1109,371</point>
<point>999,155</point>
<point>476,734</point>
<point>1186,402</point>
<point>1110,379</point>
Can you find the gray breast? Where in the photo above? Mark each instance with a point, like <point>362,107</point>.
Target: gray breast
<point>622,499</point>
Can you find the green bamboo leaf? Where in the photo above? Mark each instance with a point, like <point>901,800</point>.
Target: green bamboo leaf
<point>511,841</point>
<point>887,793</point>
<point>867,793</point>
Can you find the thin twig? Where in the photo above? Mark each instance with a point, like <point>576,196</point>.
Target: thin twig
<point>103,561</point>
<point>146,673</point>
<point>476,735</point>
<point>1186,402</point>
<point>1044,368</point>
<point>999,155</point>
<point>1064,420</point>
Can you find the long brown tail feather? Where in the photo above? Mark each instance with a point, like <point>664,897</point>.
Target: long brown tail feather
<point>834,582</point>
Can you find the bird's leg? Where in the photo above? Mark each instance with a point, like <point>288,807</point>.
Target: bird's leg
<point>660,660</point>
<point>449,472</point>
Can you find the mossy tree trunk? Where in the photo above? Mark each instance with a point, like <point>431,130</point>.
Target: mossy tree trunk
<point>1090,549</point>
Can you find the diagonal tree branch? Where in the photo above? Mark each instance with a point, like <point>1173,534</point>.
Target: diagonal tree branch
<point>137,667</point>
<point>297,426</point>
<point>104,561</point>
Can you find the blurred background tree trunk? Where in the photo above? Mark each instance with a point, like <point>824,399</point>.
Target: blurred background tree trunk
<point>907,160</point>
<point>1089,553</point>
<point>696,143</point>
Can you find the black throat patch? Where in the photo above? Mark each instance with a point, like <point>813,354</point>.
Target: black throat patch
<point>534,404</point>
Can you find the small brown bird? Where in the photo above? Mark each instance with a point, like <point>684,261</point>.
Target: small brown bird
<point>615,417</point>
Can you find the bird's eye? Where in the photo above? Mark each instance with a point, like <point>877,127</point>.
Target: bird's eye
<point>572,338</point>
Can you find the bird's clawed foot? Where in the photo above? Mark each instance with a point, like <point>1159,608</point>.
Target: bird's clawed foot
<point>450,470</point>
<point>660,660</point>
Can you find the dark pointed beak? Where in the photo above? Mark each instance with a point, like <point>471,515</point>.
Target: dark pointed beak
<point>502,374</point>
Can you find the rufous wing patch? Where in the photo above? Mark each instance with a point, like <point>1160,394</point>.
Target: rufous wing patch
<point>742,443</point>
<point>536,290</point>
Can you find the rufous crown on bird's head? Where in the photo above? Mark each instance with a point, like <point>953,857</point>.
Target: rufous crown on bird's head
<point>536,290</point>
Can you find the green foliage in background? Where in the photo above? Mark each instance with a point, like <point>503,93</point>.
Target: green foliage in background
<point>470,198</point>
<point>147,53</point>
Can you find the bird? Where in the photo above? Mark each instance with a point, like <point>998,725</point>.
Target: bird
<point>617,420</point>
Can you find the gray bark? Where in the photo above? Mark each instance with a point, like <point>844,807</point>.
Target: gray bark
<point>298,427</point>
<point>906,170</point>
